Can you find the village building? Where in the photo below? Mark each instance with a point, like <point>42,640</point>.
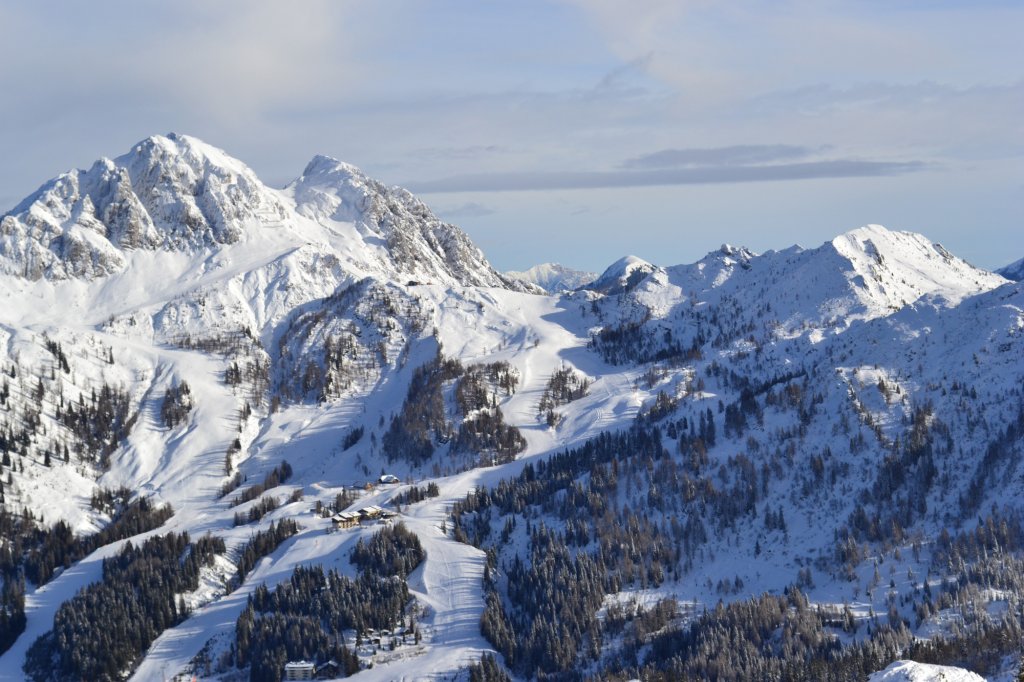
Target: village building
<point>343,520</point>
<point>371,512</point>
<point>299,670</point>
<point>328,671</point>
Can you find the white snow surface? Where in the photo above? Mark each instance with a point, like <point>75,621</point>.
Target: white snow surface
<point>910,671</point>
<point>176,240</point>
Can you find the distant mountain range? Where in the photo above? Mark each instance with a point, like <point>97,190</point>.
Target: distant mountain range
<point>554,278</point>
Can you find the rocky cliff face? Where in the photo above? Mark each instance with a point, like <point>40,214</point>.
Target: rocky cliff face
<point>417,242</point>
<point>173,193</point>
<point>178,194</point>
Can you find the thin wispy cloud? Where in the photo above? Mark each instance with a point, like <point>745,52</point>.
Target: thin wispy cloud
<point>470,209</point>
<point>473,152</point>
<point>561,180</point>
<point>737,155</point>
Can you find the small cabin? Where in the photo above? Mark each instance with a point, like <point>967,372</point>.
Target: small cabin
<point>343,520</point>
<point>299,670</point>
<point>371,512</point>
<point>389,478</point>
<point>328,671</point>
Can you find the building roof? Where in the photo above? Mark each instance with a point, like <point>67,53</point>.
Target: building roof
<point>301,665</point>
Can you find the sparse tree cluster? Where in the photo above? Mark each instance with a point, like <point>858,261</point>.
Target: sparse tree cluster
<point>279,475</point>
<point>257,511</point>
<point>352,437</point>
<point>422,421</point>
<point>417,494</point>
<point>631,343</point>
<point>564,386</point>
<point>99,422</point>
<point>263,543</point>
<point>176,405</point>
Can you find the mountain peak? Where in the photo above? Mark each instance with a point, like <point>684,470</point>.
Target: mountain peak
<point>422,245</point>
<point>321,165</point>
<point>866,273</point>
<point>175,148</point>
<point>732,254</point>
<point>895,268</point>
<point>170,192</point>
<point>1014,271</point>
<point>870,239</point>
<point>623,275</point>
<point>553,277</point>
<point>175,192</point>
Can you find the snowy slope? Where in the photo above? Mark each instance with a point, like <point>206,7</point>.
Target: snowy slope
<point>1014,271</point>
<point>175,263</point>
<point>909,671</point>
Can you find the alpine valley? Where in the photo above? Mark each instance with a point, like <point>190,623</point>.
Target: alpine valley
<point>248,430</point>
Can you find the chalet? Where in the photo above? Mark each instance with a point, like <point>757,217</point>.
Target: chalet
<point>343,520</point>
<point>328,671</point>
<point>389,478</point>
<point>299,670</point>
<point>371,512</point>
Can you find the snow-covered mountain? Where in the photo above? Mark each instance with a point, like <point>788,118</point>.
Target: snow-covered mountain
<point>554,278</point>
<point>416,242</point>
<point>1014,271</point>
<point>755,464</point>
<point>176,193</point>
<point>621,276</point>
<point>867,273</point>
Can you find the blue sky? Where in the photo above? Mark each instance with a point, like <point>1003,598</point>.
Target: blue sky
<point>574,131</point>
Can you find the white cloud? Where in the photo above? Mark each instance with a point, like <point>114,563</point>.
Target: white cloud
<point>229,59</point>
<point>239,57</point>
<point>714,52</point>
